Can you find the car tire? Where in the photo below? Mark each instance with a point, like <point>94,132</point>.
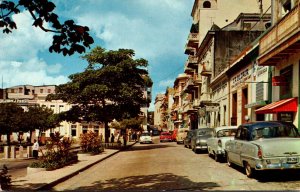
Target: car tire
<point>228,161</point>
<point>216,157</point>
<point>250,172</point>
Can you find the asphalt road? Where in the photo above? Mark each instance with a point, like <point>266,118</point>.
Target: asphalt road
<point>168,166</point>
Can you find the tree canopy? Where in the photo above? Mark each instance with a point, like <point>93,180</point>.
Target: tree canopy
<point>110,88</point>
<point>69,37</point>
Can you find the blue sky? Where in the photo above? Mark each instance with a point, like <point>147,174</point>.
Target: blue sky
<point>156,29</point>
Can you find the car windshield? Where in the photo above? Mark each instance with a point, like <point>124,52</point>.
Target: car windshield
<point>271,132</point>
<point>204,132</point>
<point>145,134</point>
<point>226,133</point>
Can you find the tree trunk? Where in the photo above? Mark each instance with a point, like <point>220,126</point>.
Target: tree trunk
<point>30,135</point>
<point>107,132</point>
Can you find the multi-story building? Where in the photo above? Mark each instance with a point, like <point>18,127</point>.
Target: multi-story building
<point>279,49</point>
<point>216,37</point>
<point>177,108</point>
<point>157,111</point>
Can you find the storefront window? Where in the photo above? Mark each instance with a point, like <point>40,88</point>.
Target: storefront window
<point>286,90</point>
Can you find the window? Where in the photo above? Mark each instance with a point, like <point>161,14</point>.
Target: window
<point>20,90</point>
<point>52,105</point>
<point>84,129</point>
<point>206,4</point>
<point>73,126</point>
<point>41,90</point>
<point>49,90</point>
<point>286,90</point>
<point>73,132</point>
<point>12,91</point>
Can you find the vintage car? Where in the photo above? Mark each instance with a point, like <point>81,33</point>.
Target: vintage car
<point>181,134</point>
<point>165,136</point>
<point>199,139</point>
<point>145,138</point>
<point>264,146</point>
<point>216,143</point>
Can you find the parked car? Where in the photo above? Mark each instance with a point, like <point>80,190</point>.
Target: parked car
<point>145,138</point>
<point>216,143</point>
<point>264,146</point>
<point>199,139</point>
<point>174,134</point>
<point>165,136</point>
<point>187,139</point>
<point>181,134</point>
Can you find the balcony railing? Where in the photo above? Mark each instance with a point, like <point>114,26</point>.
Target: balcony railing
<point>197,79</point>
<point>288,25</point>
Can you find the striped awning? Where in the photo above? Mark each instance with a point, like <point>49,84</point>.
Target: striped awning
<point>285,105</point>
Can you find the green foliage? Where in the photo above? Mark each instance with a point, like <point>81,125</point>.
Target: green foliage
<point>57,153</point>
<point>132,123</point>
<point>69,37</point>
<point>5,179</point>
<point>110,88</point>
<point>10,119</point>
<point>90,142</point>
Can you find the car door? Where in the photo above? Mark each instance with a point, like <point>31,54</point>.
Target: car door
<point>211,142</point>
<point>233,147</point>
<point>242,145</point>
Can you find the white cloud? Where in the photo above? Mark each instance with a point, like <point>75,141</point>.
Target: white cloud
<point>19,57</point>
<point>166,83</point>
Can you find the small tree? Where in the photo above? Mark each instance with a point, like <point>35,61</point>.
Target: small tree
<point>90,142</point>
<point>10,119</point>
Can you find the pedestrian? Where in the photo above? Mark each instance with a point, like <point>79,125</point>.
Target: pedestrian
<point>112,138</point>
<point>35,149</point>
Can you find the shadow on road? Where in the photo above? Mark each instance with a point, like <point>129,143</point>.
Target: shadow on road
<point>156,182</point>
<point>273,175</point>
<point>147,147</point>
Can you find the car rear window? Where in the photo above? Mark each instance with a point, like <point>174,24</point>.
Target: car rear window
<point>276,131</point>
<point>226,133</point>
<point>204,132</point>
<point>166,133</point>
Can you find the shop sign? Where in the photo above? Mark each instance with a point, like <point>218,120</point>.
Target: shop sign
<point>212,108</point>
<point>279,81</point>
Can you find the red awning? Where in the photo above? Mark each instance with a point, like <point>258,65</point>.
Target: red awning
<point>285,105</point>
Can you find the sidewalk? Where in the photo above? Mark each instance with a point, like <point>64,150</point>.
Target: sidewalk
<point>44,180</point>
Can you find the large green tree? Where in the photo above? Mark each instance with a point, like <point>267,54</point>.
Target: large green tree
<point>10,119</point>
<point>69,37</point>
<point>40,118</point>
<point>110,88</point>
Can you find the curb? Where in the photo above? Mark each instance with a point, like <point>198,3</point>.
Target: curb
<point>62,179</point>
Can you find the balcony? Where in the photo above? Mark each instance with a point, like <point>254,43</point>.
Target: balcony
<point>189,50</point>
<point>189,85</point>
<point>188,108</point>
<point>187,69</point>
<point>282,40</point>
<point>206,70</point>
<point>196,103</point>
<point>197,79</point>
<point>192,62</point>
<point>193,40</point>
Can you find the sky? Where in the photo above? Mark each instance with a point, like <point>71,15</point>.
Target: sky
<point>156,30</point>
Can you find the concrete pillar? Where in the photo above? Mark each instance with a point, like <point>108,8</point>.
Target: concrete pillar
<point>29,151</point>
<point>13,152</point>
<point>6,152</point>
<point>21,153</point>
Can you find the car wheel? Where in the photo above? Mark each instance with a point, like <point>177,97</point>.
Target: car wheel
<point>228,161</point>
<point>249,170</point>
<point>216,156</point>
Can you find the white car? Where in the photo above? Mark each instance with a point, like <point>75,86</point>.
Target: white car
<point>145,138</point>
<point>216,143</point>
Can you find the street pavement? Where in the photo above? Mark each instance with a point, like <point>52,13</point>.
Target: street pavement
<point>43,180</point>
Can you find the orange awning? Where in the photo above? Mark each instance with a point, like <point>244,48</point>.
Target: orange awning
<point>285,105</point>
